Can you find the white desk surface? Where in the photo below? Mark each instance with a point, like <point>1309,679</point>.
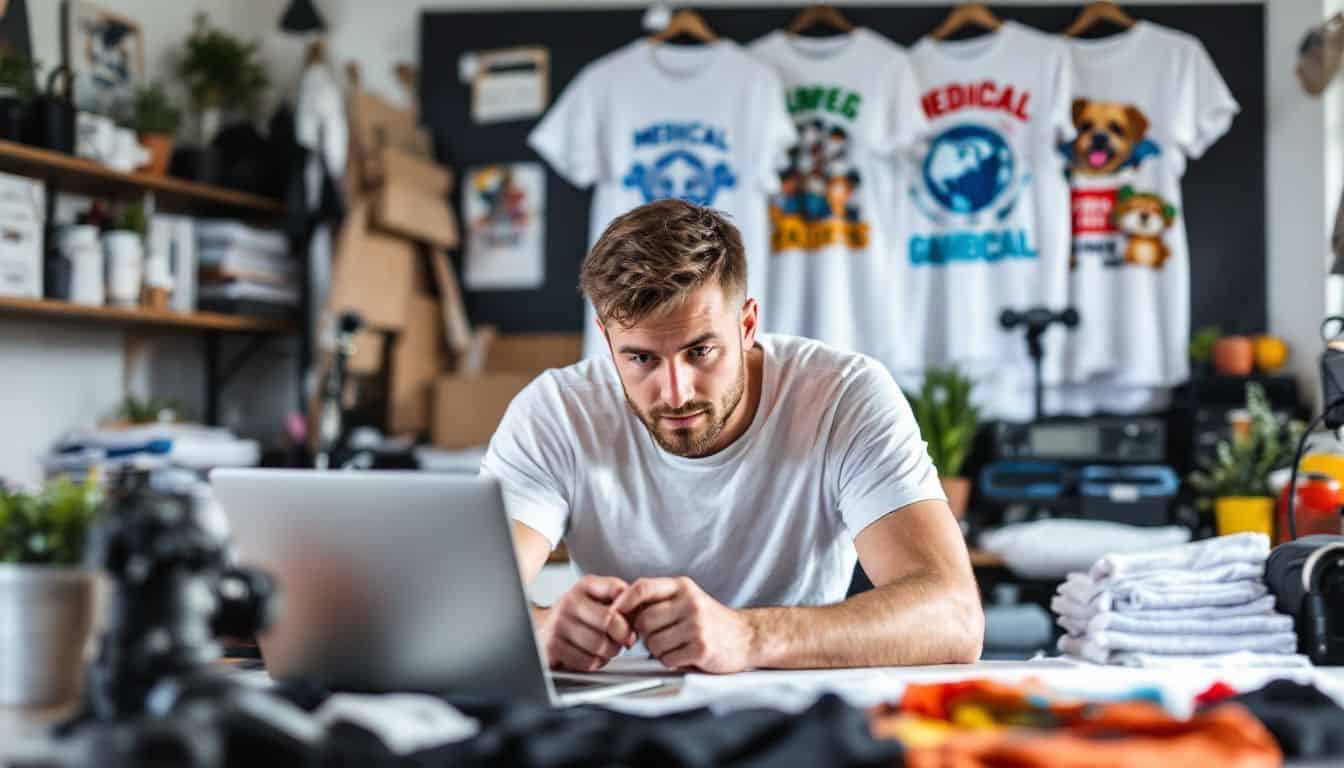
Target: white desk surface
<point>22,732</point>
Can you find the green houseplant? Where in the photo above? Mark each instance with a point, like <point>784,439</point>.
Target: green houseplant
<point>222,72</point>
<point>157,121</point>
<point>947,421</point>
<point>1201,348</point>
<point>1236,480</point>
<point>45,590</point>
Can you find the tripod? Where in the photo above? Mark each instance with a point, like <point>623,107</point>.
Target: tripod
<point>1038,320</point>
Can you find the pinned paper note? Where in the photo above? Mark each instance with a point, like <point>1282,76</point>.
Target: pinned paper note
<point>507,84</point>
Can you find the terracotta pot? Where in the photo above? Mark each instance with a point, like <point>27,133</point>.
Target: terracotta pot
<point>160,146</point>
<point>1234,356</point>
<point>958,490</point>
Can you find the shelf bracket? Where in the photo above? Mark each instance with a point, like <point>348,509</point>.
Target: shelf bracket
<point>218,377</point>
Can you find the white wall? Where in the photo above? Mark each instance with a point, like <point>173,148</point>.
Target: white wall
<point>1302,184</point>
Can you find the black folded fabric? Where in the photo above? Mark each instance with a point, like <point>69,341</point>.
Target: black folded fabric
<point>1306,722</point>
<point>829,733</point>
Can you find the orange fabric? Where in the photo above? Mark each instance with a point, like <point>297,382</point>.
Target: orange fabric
<point>947,726</point>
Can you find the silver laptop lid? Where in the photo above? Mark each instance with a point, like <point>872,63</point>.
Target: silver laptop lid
<point>388,581</point>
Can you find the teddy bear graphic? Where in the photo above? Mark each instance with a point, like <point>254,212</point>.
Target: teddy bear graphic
<point>1143,217</point>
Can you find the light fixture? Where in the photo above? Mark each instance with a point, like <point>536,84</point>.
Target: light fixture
<point>301,18</point>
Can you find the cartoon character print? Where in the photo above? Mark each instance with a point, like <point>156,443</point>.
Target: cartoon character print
<point>819,183</point>
<point>1122,226</point>
<point>1109,138</point>
<point>1143,217</point>
<point>819,192</point>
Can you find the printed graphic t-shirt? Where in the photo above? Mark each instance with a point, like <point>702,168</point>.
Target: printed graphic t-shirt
<point>833,222</point>
<point>1144,101</point>
<point>650,121</point>
<point>988,202</point>
<point>769,520</point>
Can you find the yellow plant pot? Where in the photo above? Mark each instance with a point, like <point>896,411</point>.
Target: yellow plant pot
<point>1244,514</point>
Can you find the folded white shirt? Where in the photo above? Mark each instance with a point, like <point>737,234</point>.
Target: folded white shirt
<point>1236,660</point>
<point>1066,607</point>
<point>1135,594</point>
<point>1197,556</point>
<point>1140,623</point>
<point>1100,646</point>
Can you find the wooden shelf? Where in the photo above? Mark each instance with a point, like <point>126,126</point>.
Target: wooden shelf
<point>86,177</point>
<point>137,316</point>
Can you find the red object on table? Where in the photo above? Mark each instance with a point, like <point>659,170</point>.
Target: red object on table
<point>1215,693</point>
<point>1318,501</point>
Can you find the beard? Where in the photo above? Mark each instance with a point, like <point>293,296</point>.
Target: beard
<point>696,441</point>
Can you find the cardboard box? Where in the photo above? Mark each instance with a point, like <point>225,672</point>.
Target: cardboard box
<point>417,213</point>
<point>22,218</point>
<point>418,358</point>
<point>372,273</point>
<point>467,409</point>
<point>375,124</point>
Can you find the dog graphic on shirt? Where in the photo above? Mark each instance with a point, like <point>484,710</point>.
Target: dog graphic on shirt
<point>1143,218</point>
<point>1110,137</point>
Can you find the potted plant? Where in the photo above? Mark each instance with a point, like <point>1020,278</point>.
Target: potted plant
<point>1236,480</point>
<point>1201,348</point>
<point>46,595</point>
<point>157,121</point>
<point>948,420</point>
<point>16,92</point>
<point>222,73</point>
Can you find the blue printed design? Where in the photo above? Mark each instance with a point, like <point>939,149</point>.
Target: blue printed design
<point>679,173</point>
<point>967,168</point>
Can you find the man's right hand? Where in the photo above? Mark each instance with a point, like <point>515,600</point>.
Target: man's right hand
<point>580,632</point>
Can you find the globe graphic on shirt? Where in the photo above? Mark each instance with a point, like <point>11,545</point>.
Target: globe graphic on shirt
<point>967,168</point>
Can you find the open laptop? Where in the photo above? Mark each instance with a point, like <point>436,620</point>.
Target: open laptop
<point>396,581</point>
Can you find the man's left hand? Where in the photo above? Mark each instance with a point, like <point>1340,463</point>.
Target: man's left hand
<point>684,628</point>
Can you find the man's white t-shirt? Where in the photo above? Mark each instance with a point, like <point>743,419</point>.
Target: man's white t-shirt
<point>1144,101</point>
<point>834,222</point>
<point>988,206</point>
<point>769,520</point>
<point>705,124</point>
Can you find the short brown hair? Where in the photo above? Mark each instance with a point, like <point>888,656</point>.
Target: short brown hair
<point>657,254</point>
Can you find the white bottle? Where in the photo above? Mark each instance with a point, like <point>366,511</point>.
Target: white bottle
<point>125,265</point>
<point>80,247</point>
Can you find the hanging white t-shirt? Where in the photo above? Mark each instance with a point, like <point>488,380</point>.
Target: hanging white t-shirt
<point>769,520</point>
<point>833,225</point>
<point>1144,100</point>
<point>988,202</point>
<point>651,121</point>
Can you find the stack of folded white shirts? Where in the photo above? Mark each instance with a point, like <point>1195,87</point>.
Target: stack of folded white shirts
<point>1203,603</point>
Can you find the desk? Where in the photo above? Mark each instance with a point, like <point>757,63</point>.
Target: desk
<point>21,732</point>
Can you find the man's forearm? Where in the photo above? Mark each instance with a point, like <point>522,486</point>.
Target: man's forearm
<point>919,619</point>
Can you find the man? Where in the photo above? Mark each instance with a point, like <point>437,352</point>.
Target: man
<point>716,485</point>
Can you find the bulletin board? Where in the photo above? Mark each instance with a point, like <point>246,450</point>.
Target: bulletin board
<point>1224,191</point>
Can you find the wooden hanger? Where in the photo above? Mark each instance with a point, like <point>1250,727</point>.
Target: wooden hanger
<point>685,22</point>
<point>826,15</point>
<point>966,13</point>
<point>317,53</point>
<point>1094,14</point>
